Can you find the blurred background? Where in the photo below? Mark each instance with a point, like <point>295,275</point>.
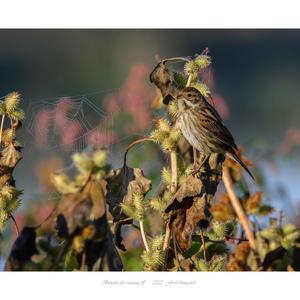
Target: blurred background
<point>83,88</point>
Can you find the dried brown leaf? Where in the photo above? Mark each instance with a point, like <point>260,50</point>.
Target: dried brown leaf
<point>10,156</point>
<point>122,186</point>
<point>161,77</point>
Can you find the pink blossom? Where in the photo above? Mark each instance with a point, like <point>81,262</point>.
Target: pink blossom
<point>70,134</point>
<point>60,112</point>
<point>41,127</point>
<point>221,106</point>
<point>100,137</point>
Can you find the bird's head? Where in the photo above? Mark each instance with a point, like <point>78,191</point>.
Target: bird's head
<point>188,98</point>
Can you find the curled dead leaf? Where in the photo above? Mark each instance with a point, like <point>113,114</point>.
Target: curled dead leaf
<point>122,186</point>
<point>10,156</point>
<point>161,77</point>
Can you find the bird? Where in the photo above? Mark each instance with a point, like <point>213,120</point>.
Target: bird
<point>203,128</point>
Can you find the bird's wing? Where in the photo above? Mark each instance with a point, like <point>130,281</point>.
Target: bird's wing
<point>212,122</point>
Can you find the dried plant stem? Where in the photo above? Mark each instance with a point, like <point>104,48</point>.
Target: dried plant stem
<point>15,224</point>
<point>146,139</point>
<point>143,235</point>
<point>1,127</point>
<point>195,158</point>
<point>167,237</point>
<point>173,159</point>
<point>238,207</point>
<point>189,81</point>
<point>178,58</point>
<point>203,244</point>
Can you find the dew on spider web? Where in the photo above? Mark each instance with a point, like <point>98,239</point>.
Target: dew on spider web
<point>68,124</point>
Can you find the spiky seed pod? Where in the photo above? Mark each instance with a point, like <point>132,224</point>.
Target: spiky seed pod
<point>156,243</point>
<point>13,204</point>
<point>4,216</point>
<point>168,145</point>
<point>175,134</point>
<point>99,158</point>
<point>202,88</point>
<point>158,136</point>
<point>9,192</point>
<point>173,110</point>
<point>155,257</point>
<point>63,184</point>
<point>203,61</point>
<point>8,136</point>
<point>83,162</point>
<point>191,69</point>
<point>163,124</point>
<point>17,114</point>
<point>222,230</point>
<point>138,201</point>
<point>12,101</point>
<point>3,202</point>
<point>128,210</point>
<point>2,107</point>
<point>189,169</point>
<point>166,175</point>
<point>159,204</point>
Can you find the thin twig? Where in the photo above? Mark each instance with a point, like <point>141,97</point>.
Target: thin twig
<point>144,236</point>
<point>195,158</point>
<point>138,228</point>
<point>15,224</point>
<point>1,127</point>
<point>189,81</point>
<point>146,139</point>
<point>238,207</point>
<point>203,244</point>
<point>175,58</point>
<point>173,160</point>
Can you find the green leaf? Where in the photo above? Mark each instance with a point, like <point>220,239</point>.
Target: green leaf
<point>180,80</point>
<point>195,247</point>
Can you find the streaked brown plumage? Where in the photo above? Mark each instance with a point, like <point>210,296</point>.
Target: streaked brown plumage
<point>203,127</point>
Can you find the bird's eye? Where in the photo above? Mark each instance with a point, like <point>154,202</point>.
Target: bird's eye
<point>189,95</point>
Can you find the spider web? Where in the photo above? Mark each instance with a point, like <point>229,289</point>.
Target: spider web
<point>80,114</point>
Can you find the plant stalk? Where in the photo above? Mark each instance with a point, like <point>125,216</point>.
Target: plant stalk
<point>238,208</point>
<point>144,235</point>
<point>174,179</point>
<point>1,127</point>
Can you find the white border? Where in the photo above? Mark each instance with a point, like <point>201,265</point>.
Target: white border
<point>83,285</point>
<point>149,14</point>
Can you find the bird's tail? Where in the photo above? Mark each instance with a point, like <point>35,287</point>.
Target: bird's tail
<point>235,157</point>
